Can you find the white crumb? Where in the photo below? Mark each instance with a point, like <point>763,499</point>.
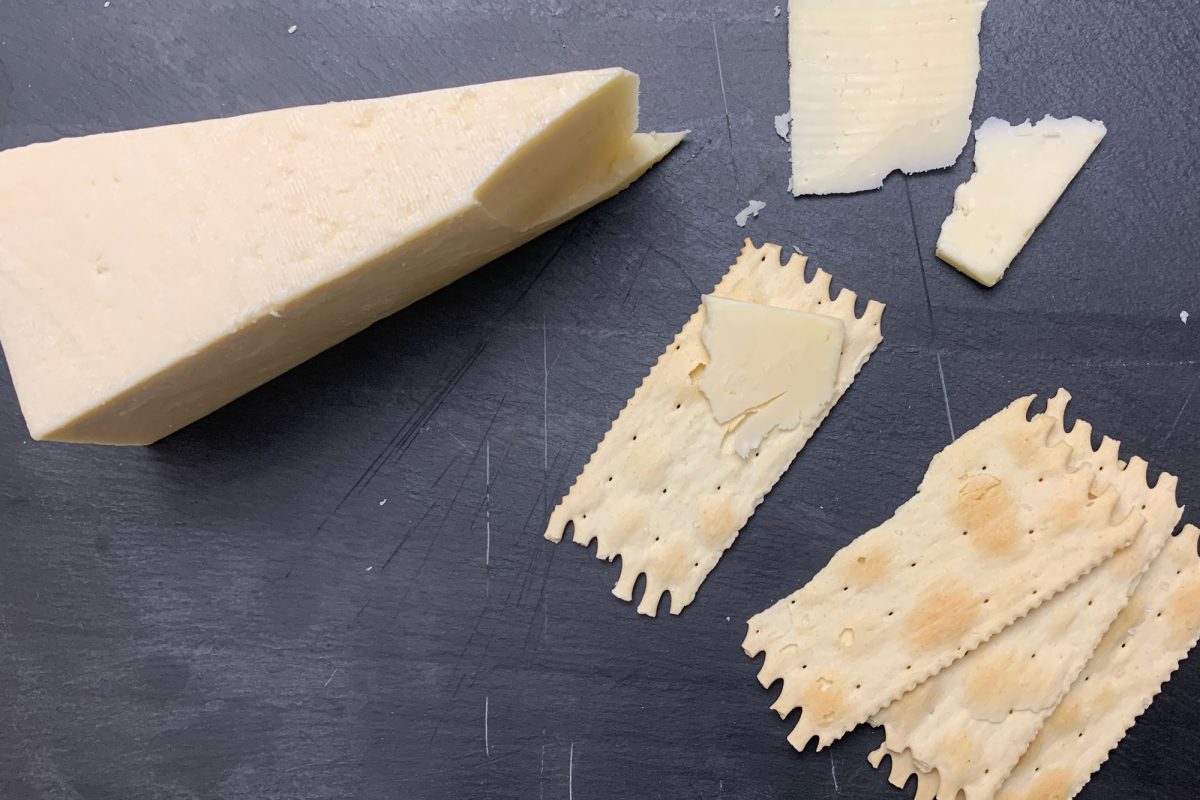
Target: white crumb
<point>368,569</point>
<point>778,11</point>
<point>727,619</point>
<point>783,125</point>
<point>384,500</point>
<point>107,3</point>
<point>293,29</point>
<point>1183,317</point>
<point>749,211</point>
<point>790,190</point>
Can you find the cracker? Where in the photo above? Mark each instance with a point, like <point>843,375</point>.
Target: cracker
<point>661,491</point>
<point>955,565</point>
<point>1139,652</point>
<point>903,768</point>
<point>970,723</point>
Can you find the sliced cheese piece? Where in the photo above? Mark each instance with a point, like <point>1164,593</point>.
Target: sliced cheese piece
<point>148,277</point>
<point>767,367</point>
<point>879,85</point>
<point>1152,634</point>
<point>1020,172</point>
<point>971,722</point>
<point>661,491</point>
<point>954,566</point>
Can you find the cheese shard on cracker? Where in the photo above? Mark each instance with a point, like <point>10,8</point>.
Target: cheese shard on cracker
<point>1139,652</point>
<point>662,491</point>
<point>767,367</point>
<point>970,723</point>
<point>1000,523</point>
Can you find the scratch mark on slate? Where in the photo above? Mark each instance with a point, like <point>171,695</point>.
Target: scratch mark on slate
<point>945,395</point>
<point>460,442</point>
<point>487,748</point>
<point>1182,408</point>
<point>833,772</point>
<point>912,215</point>
<point>725,100</point>
<point>330,679</point>
<point>567,238</point>
<point>571,774</point>
<point>542,775</point>
<point>637,271</point>
<point>487,498</point>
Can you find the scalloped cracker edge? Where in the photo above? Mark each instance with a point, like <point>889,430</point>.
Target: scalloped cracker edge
<point>660,491</point>
<point>1138,654</point>
<point>1000,524</point>
<point>971,722</point>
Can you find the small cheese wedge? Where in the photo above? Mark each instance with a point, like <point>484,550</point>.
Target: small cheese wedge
<point>149,277</point>
<point>1020,172</point>
<point>879,85</point>
<point>767,367</point>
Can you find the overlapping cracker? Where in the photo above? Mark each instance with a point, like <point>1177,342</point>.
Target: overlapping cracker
<point>904,768</point>
<point>1000,523</point>
<point>661,491</point>
<point>967,726</point>
<point>1139,652</point>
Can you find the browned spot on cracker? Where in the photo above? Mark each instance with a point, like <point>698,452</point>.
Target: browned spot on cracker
<point>1054,784</point>
<point>866,568</point>
<point>941,616</point>
<point>629,523</point>
<point>990,690</point>
<point>716,521</point>
<point>1065,719</point>
<point>824,700</point>
<point>1184,610</point>
<point>647,465</point>
<point>987,513</point>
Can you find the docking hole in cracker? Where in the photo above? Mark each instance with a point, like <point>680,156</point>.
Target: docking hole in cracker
<point>666,489</point>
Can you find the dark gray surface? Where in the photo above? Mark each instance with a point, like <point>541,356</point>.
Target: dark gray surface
<point>235,613</point>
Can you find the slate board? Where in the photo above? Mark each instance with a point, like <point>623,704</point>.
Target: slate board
<point>237,613</point>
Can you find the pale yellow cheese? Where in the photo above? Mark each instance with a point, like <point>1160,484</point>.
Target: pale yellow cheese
<point>149,277</point>
<point>879,85</point>
<point>767,367</point>
<point>1020,172</point>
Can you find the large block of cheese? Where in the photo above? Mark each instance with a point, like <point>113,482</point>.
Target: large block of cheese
<point>879,85</point>
<point>149,277</point>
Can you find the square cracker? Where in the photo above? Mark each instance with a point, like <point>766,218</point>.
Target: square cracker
<point>1000,523</point>
<point>662,491</point>
<point>1145,644</point>
<point>971,722</point>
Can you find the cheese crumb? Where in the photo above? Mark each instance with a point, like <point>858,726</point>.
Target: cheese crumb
<point>749,211</point>
<point>107,3</point>
<point>1183,317</point>
<point>292,29</point>
<point>783,126</point>
<point>778,11</point>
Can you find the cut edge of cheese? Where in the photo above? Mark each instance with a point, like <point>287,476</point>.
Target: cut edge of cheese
<point>105,367</point>
<point>660,491</point>
<point>999,208</point>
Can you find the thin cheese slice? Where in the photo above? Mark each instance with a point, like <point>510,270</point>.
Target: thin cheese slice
<point>1139,652</point>
<point>1020,172</point>
<point>148,277</point>
<point>662,491</point>
<point>1000,523</point>
<point>971,722</point>
<point>767,367</point>
<point>879,85</point>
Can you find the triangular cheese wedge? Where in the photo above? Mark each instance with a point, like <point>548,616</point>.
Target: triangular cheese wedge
<point>149,277</point>
<point>767,367</point>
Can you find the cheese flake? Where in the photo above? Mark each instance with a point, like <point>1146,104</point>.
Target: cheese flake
<point>767,367</point>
